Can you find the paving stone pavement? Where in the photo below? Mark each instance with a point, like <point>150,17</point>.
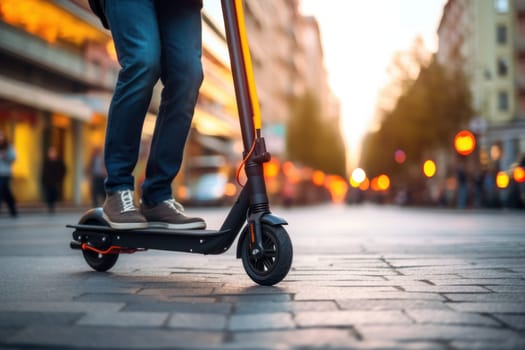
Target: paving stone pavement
<point>362,278</point>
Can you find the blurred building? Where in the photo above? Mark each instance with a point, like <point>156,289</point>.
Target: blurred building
<point>272,40</point>
<point>288,61</point>
<point>57,73</point>
<point>485,39</point>
<point>56,76</point>
<point>312,70</point>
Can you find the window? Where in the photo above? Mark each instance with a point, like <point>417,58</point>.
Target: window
<point>503,67</point>
<point>503,101</point>
<point>501,34</point>
<point>501,6</point>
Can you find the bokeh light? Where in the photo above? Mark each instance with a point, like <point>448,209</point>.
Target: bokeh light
<point>358,175</point>
<point>429,168</point>
<point>318,178</point>
<point>519,174</point>
<point>354,183</point>
<point>400,156</point>
<point>383,182</point>
<point>288,168</point>
<point>464,142</point>
<point>292,174</point>
<point>230,189</point>
<point>502,179</point>
<point>364,185</point>
<point>337,186</point>
<point>374,185</point>
<point>271,168</point>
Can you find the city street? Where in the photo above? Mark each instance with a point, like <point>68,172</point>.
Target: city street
<point>363,277</point>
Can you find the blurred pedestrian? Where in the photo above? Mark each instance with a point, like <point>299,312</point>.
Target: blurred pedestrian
<point>490,189</point>
<point>97,173</point>
<point>515,190</point>
<point>462,181</point>
<point>154,40</point>
<point>7,158</point>
<point>479,192</point>
<point>53,173</point>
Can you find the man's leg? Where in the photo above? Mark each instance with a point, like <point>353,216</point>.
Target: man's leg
<point>135,33</point>
<point>180,31</point>
<point>181,73</point>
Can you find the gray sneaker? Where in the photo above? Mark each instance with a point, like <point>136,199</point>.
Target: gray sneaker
<point>170,214</point>
<point>120,212</point>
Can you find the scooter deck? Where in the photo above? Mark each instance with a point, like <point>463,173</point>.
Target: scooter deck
<point>193,241</point>
<point>149,230</point>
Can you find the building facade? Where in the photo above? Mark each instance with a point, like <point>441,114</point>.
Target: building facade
<point>484,39</point>
<point>272,39</point>
<point>288,61</point>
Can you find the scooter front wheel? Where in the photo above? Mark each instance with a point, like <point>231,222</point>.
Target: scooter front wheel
<point>275,261</point>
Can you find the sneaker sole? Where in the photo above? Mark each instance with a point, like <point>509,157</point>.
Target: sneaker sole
<point>186,226</point>
<point>124,225</point>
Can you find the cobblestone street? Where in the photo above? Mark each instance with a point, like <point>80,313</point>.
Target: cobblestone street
<point>362,278</point>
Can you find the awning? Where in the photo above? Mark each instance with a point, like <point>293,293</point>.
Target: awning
<point>37,97</point>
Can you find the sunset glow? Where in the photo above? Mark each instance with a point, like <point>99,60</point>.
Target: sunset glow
<point>357,78</point>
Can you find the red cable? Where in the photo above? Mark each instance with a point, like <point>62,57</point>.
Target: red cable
<point>237,176</point>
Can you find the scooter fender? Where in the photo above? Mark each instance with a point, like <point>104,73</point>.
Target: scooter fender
<point>268,219</point>
<point>273,220</point>
<point>93,215</point>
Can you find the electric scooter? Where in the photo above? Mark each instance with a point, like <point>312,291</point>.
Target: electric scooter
<point>264,245</point>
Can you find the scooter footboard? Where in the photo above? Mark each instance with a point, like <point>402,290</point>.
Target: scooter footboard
<point>192,241</point>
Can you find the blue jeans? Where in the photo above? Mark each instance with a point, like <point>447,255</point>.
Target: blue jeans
<point>153,39</point>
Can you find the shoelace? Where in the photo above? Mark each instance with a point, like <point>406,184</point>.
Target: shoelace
<point>173,204</point>
<point>126,198</point>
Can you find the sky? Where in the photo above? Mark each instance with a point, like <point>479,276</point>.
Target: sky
<point>359,38</point>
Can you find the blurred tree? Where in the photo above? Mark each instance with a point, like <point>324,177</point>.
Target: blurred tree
<point>424,118</point>
<point>313,140</point>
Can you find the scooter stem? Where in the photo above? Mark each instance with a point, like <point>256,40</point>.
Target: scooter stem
<point>247,103</point>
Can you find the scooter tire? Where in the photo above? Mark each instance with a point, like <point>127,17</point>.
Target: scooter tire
<point>276,260</point>
<point>98,262</point>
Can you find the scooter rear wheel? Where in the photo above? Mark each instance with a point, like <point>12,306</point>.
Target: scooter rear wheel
<point>98,262</point>
<point>275,262</point>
